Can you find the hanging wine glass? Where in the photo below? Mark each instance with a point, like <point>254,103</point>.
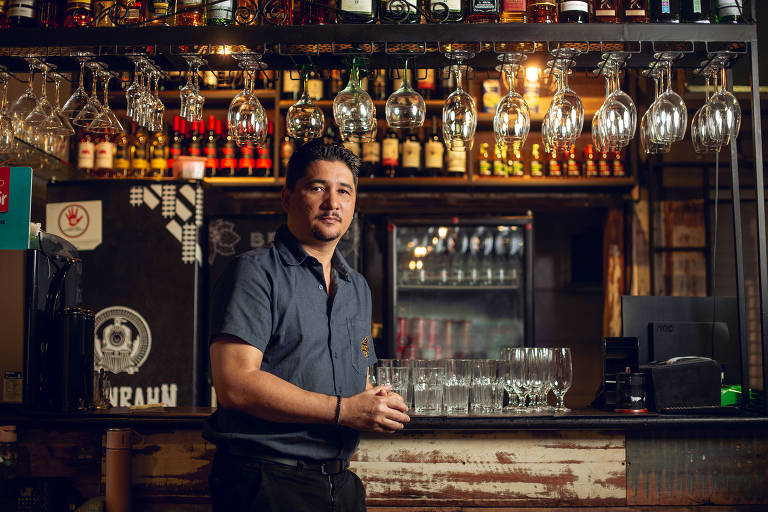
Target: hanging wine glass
<point>92,109</point>
<point>57,123</point>
<point>725,121</point>
<point>353,110</point>
<point>613,125</point>
<point>459,111</point>
<point>191,98</point>
<point>647,142</point>
<point>106,122</point>
<point>512,120</point>
<point>668,115</point>
<point>565,115</point>
<point>25,103</point>
<point>79,98</point>
<point>304,120</point>
<point>6,123</point>
<point>246,117</point>
<point>405,107</point>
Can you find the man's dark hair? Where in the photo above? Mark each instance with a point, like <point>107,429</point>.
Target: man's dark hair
<point>317,150</point>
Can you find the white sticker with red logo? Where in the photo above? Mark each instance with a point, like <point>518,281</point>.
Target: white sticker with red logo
<point>76,221</point>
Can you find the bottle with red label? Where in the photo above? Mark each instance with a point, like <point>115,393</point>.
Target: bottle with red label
<point>228,157</point>
<point>177,142</point>
<point>104,157</point>
<point>617,166</point>
<point>210,149</point>
<point>603,166</point>
<point>553,166</point>
<point>86,150</point>
<point>590,165</point>
<point>573,169</point>
<point>193,144</point>
<point>247,161</point>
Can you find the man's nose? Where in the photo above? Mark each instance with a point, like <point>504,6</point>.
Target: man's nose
<point>332,199</point>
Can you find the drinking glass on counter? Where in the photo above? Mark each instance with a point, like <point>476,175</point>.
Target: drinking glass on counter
<point>457,386</point>
<point>399,377</point>
<point>428,389</point>
<point>562,376</point>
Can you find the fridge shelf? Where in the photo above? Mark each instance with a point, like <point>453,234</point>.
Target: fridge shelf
<point>456,288</point>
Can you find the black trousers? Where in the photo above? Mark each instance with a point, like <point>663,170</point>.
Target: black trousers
<point>246,484</point>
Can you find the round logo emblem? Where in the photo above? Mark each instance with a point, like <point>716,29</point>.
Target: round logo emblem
<point>73,220</point>
<point>122,340</point>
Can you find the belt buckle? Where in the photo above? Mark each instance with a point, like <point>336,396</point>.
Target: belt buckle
<point>332,468</point>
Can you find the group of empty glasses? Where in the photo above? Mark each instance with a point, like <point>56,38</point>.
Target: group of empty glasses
<point>518,383</point>
<point>718,121</point>
<point>142,99</point>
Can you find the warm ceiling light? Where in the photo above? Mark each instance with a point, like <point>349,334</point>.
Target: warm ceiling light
<point>532,73</point>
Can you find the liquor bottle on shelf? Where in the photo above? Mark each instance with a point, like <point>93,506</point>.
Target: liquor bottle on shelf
<point>190,13</point>
<point>590,165</point>
<point>287,148</point>
<point>3,18</point>
<point>425,83</point>
<point>572,11</point>
<point>130,12</point>
<point>49,14</point>
<point>396,15</point>
<point>513,11</point>
<point>291,86</point>
<point>193,143</point>
<point>228,160</point>
<point>263,166</point>
<point>211,149</point>
<point>456,10</point>
<point>499,165</point>
<point>122,163</point>
<point>336,84</point>
<point>456,164</point>
<point>86,154</point>
<point>536,167</point>
<point>572,167</point>
<point>316,12</point>
<point>434,151</point>
<point>220,13</point>
<point>104,157</point>
<point>554,169</point>
<point>515,162</point>
<point>79,14</point>
<point>390,154</point>
<point>483,11</point>
<point>158,155</point>
<point>635,11</point>
<point>21,13</point>
<point>157,12</point>
<point>697,11</point>
<point>139,160</point>
<point>354,147</point>
<point>380,84</point>
<point>607,11</point>
<point>315,87</point>
<point>371,159</point>
<point>542,11</point>
<point>603,167</point>
<point>484,161</point>
<point>177,143</point>
<point>247,161</point>
<point>729,11</point>
<point>357,11</point>
<point>102,13</point>
<point>411,166</point>
<point>617,166</point>
<point>665,11</point>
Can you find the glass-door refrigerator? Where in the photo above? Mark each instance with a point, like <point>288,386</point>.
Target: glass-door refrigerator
<point>459,287</point>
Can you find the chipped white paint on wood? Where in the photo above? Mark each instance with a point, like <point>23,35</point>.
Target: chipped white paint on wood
<point>513,468</point>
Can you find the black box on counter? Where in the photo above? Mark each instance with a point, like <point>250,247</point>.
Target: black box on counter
<point>683,385</point>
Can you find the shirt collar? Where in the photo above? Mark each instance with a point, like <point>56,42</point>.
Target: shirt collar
<point>293,253</point>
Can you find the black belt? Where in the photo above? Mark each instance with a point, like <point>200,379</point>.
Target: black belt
<point>330,467</point>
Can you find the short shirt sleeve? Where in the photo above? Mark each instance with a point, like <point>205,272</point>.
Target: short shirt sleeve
<point>242,303</point>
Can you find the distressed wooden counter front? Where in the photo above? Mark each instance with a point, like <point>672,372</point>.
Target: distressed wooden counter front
<point>586,461</point>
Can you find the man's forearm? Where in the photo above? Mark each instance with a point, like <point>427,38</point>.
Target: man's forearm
<point>271,398</point>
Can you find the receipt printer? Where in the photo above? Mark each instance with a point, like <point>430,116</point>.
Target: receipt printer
<point>683,384</point>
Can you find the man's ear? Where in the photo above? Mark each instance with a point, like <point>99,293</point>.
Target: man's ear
<point>285,198</point>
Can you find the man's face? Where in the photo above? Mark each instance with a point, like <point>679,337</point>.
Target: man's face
<point>321,206</point>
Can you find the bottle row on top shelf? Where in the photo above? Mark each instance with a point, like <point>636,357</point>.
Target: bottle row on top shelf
<point>106,13</point>
<point>417,153</point>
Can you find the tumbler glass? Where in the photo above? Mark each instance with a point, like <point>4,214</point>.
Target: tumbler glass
<point>428,390</point>
<point>456,386</point>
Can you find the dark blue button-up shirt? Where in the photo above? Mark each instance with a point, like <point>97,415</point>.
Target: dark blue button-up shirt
<point>274,299</point>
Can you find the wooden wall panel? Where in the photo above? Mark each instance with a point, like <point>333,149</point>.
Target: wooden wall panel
<point>690,468</point>
<point>502,469</point>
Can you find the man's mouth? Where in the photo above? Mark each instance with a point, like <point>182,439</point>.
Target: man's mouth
<point>329,218</point>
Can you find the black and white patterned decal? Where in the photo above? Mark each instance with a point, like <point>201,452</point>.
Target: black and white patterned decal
<point>183,206</point>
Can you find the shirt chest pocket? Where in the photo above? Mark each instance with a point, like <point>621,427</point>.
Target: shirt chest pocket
<point>360,345</point>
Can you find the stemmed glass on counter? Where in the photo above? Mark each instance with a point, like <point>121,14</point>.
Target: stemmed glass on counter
<point>304,120</point>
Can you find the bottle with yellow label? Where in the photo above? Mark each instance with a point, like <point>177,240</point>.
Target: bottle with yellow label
<point>500,161</point>
<point>514,161</point>
<point>158,155</point>
<point>537,168</point>
<point>484,162</point>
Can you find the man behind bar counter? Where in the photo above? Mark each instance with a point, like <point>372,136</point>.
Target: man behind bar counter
<point>290,355</point>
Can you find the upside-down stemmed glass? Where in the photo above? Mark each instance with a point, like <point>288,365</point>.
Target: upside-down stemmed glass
<point>562,376</point>
<point>668,115</point>
<point>57,124</point>
<point>405,107</point>
<point>93,108</point>
<point>106,122</point>
<point>725,121</point>
<point>459,111</point>
<point>133,91</point>
<point>353,110</point>
<point>648,145</point>
<point>246,117</point>
<point>79,98</point>
<point>43,108</point>
<point>614,123</point>
<point>701,138</point>
<point>512,120</point>
<point>191,98</point>
<point>565,116</point>
<point>6,124</point>
<point>25,103</point>
<point>304,120</point>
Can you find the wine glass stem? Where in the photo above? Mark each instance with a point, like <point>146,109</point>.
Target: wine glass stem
<point>722,78</point>
<point>561,401</point>
<point>459,73</point>
<point>81,78</point>
<point>106,91</point>
<point>406,84</point>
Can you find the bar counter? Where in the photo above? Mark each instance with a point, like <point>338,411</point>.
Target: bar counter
<point>585,458</point>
